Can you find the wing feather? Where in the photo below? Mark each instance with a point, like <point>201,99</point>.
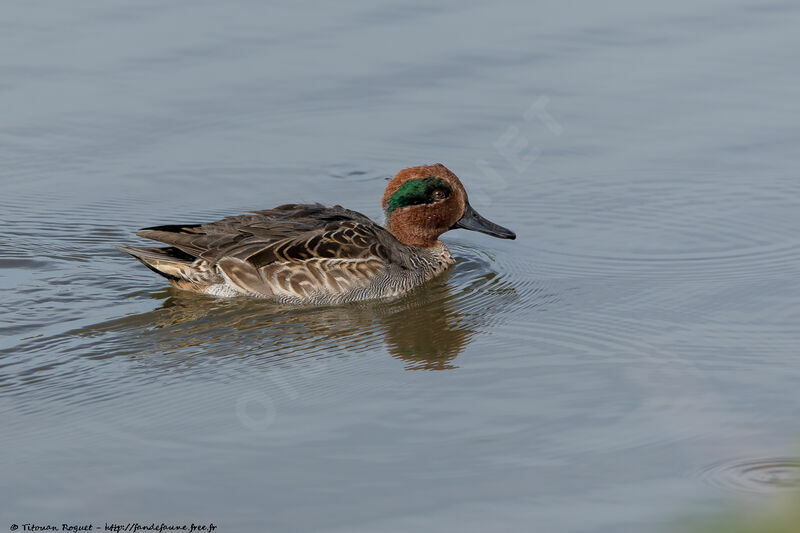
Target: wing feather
<point>293,249</point>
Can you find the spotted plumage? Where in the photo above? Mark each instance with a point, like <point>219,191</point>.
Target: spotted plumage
<point>309,253</point>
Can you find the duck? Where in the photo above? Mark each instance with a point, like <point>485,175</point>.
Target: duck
<point>313,254</point>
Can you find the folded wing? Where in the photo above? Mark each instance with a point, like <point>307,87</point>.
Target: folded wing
<point>292,251</point>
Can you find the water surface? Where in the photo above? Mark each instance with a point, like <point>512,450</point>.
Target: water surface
<point>633,353</point>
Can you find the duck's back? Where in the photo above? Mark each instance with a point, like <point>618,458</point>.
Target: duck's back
<point>292,253</point>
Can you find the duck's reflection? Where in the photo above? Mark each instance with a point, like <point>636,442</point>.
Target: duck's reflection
<point>427,329</point>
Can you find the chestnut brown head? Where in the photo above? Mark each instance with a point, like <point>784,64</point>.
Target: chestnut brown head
<point>423,202</point>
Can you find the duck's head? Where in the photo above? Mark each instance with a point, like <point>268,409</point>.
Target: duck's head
<point>421,203</point>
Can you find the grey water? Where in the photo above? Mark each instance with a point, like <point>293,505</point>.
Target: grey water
<point>633,355</point>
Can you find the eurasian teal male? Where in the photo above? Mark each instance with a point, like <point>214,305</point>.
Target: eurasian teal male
<point>312,254</point>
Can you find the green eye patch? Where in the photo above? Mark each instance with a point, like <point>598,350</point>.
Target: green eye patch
<point>417,191</point>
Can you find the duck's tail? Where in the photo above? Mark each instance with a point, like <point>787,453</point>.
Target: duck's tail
<point>164,261</point>
<point>180,268</point>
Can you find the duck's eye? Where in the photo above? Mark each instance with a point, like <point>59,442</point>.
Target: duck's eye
<point>439,194</point>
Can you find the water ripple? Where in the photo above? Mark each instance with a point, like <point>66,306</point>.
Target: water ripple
<point>686,230</point>
<point>763,475</point>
